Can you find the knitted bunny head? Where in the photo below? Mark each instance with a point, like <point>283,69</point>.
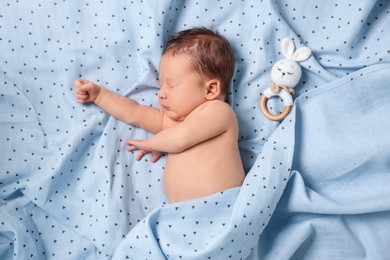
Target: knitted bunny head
<point>285,75</point>
<point>287,72</point>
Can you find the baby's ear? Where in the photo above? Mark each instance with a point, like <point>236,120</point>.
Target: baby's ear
<point>213,89</point>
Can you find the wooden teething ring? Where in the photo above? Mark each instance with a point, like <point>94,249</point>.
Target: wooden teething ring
<point>264,109</point>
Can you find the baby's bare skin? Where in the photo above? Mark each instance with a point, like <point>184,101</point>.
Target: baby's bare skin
<point>197,130</point>
<point>208,167</point>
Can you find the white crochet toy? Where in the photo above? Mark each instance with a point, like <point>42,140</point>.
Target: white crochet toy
<point>285,75</point>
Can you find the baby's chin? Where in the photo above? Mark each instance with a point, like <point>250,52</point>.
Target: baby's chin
<point>175,116</point>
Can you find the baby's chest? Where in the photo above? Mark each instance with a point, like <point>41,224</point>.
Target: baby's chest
<point>198,157</point>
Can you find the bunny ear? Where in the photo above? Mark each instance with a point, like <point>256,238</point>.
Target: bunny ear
<point>287,48</point>
<point>301,54</point>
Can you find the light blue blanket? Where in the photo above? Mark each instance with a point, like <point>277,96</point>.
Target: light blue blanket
<point>317,184</point>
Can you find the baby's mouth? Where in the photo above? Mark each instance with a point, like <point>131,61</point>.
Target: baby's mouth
<point>164,107</point>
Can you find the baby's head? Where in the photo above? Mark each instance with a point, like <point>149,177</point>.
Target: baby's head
<point>210,53</point>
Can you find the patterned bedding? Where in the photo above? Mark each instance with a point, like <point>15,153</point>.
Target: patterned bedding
<point>317,182</point>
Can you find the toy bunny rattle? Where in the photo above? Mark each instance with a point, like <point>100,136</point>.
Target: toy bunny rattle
<point>285,75</point>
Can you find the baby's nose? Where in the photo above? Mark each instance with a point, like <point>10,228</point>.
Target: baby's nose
<point>161,94</point>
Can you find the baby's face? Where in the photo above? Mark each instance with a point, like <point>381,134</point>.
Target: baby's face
<point>181,89</point>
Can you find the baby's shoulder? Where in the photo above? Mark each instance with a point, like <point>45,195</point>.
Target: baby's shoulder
<point>219,111</point>
<point>214,110</point>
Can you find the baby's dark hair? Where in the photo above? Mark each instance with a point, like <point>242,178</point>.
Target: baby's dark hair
<point>211,53</point>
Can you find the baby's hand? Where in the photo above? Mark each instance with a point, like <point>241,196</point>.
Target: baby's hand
<point>140,145</point>
<point>86,91</point>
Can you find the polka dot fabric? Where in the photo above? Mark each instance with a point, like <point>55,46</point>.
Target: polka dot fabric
<point>70,190</point>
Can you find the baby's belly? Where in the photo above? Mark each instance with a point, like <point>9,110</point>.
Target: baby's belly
<point>186,178</point>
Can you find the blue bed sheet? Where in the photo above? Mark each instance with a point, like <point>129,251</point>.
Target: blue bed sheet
<point>316,185</point>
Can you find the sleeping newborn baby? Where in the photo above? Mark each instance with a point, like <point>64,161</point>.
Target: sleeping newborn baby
<point>194,125</point>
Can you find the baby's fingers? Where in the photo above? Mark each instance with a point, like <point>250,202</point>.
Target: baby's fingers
<point>140,155</point>
<point>78,82</point>
<point>131,146</point>
<point>155,157</point>
<point>82,97</point>
<point>134,143</point>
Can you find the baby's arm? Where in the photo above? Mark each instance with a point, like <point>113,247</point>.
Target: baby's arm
<point>120,107</point>
<point>213,119</point>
